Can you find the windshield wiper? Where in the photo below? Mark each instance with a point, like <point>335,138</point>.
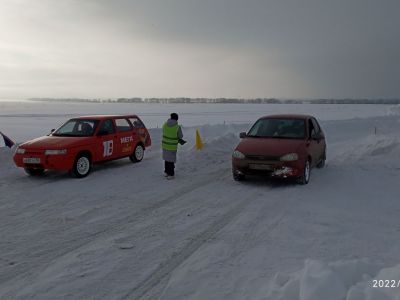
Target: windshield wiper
<point>66,135</point>
<point>255,136</point>
<point>286,137</point>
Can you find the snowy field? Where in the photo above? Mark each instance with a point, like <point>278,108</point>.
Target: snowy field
<point>124,232</point>
<point>41,117</point>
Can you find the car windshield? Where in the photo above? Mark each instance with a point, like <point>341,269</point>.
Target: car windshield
<point>278,128</point>
<point>77,128</point>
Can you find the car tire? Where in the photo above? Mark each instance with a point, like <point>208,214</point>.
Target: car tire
<point>82,166</point>
<point>137,154</point>
<point>34,172</point>
<point>305,177</point>
<point>238,177</point>
<point>321,164</point>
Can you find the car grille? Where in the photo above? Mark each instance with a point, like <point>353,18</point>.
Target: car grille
<point>263,157</point>
<point>34,152</point>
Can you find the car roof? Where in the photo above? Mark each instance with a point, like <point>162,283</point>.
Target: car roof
<point>103,117</point>
<point>287,116</point>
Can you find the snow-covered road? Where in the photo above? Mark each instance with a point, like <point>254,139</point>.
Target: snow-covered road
<point>125,232</point>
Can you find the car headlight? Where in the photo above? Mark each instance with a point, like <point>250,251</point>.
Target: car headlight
<point>20,151</point>
<point>55,152</point>
<point>290,157</point>
<point>238,154</point>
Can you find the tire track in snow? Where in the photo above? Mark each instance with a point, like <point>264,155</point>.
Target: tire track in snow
<point>179,257</point>
<point>244,242</point>
<point>247,239</point>
<point>81,238</point>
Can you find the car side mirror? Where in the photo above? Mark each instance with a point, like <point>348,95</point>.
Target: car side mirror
<point>51,131</point>
<point>242,135</point>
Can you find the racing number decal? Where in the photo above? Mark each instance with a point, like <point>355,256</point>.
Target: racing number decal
<point>108,148</point>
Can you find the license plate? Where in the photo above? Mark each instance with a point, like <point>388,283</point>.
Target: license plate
<point>31,160</point>
<point>261,167</point>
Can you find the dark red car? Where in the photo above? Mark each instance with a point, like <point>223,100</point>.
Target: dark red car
<point>280,146</point>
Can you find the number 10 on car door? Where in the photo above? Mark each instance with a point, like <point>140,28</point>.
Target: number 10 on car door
<point>108,148</point>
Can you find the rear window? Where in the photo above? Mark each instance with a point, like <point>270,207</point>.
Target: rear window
<point>278,128</point>
<point>122,125</point>
<point>136,123</point>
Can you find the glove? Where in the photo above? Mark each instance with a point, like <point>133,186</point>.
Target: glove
<point>181,141</point>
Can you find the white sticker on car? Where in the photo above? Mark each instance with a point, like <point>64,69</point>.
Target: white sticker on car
<point>108,148</point>
<point>126,139</point>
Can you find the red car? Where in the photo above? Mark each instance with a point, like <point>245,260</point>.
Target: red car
<point>280,146</point>
<point>83,141</point>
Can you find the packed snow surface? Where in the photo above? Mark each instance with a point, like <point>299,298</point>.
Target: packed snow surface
<point>124,232</point>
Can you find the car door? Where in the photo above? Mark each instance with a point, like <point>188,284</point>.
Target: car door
<point>312,144</point>
<point>320,138</point>
<point>126,137</point>
<point>106,141</point>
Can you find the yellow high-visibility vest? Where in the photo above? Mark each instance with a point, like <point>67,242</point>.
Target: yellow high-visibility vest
<point>170,137</point>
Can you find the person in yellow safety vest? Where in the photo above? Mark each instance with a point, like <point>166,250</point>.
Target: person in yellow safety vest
<point>172,136</point>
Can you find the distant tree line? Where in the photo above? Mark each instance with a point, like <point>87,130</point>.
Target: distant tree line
<point>223,100</point>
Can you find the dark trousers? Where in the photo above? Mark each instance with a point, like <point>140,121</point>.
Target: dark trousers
<point>169,168</point>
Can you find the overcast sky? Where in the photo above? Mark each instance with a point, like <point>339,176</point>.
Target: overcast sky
<point>203,48</point>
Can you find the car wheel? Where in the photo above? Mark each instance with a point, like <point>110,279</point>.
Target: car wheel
<point>82,166</point>
<point>305,177</point>
<point>237,177</point>
<point>137,154</point>
<point>34,172</point>
<point>321,164</point>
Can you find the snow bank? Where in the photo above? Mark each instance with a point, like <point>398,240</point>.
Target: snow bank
<point>216,151</point>
<point>375,151</point>
<point>394,110</point>
<point>343,280</point>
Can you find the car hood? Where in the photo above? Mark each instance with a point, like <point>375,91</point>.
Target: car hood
<point>54,142</point>
<point>269,146</point>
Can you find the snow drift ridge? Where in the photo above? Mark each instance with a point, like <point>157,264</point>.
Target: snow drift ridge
<point>342,280</point>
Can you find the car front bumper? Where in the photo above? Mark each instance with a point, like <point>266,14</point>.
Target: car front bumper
<point>277,169</point>
<point>40,161</point>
